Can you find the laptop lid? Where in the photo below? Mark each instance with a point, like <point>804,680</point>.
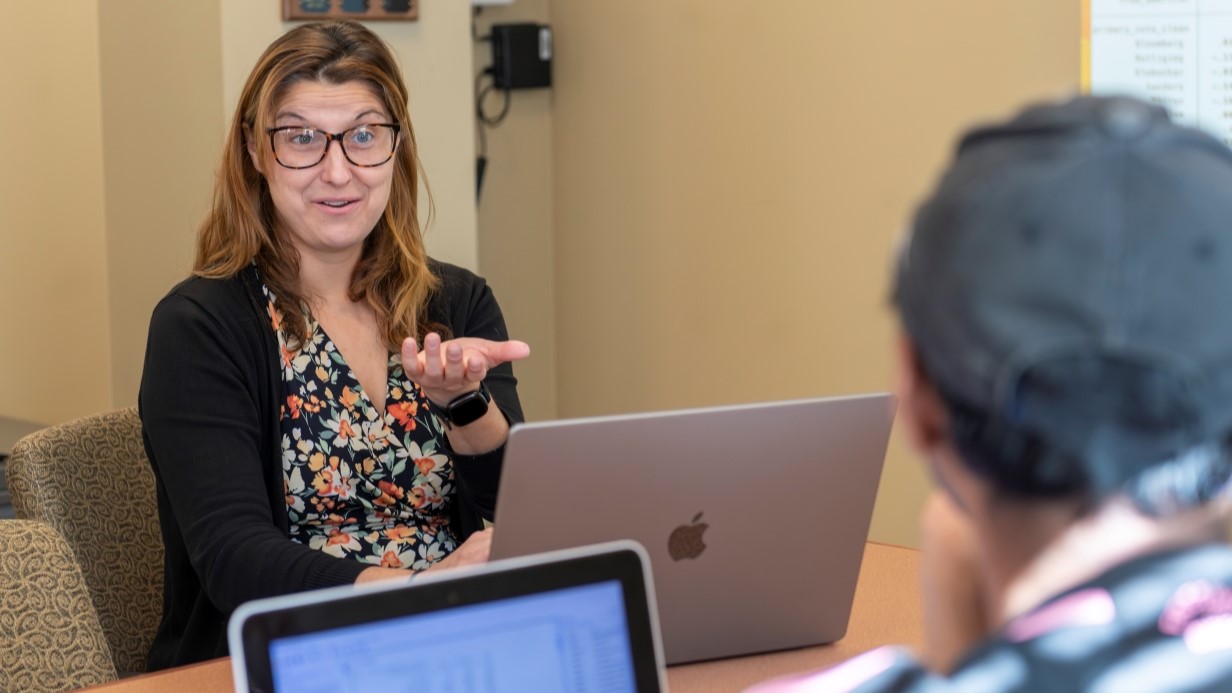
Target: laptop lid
<point>754,516</point>
<point>576,620</point>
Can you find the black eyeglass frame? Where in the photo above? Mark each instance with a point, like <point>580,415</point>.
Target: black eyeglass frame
<point>330,138</point>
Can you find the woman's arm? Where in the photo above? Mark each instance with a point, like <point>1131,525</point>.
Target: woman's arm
<point>203,411</point>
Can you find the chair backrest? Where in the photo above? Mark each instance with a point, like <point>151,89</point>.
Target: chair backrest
<point>91,481</point>
<point>50,638</point>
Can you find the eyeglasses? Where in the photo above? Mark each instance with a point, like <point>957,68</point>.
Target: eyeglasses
<point>363,145</point>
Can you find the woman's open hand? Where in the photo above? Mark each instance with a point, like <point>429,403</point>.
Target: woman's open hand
<point>445,370</point>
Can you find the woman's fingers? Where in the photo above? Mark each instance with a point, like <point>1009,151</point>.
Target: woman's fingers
<point>434,370</point>
<point>446,369</point>
<point>439,359</point>
<point>454,368</point>
<point>412,364</point>
<point>476,368</point>
<point>497,353</point>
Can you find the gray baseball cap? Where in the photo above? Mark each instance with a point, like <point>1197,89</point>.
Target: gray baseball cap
<point>1071,276</point>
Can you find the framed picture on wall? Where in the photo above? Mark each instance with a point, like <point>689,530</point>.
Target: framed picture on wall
<point>405,10</point>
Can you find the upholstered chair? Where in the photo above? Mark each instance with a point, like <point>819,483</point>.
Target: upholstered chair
<point>50,637</point>
<point>91,481</point>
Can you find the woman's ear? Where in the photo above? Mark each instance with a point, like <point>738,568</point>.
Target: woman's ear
<point>923,411</point>
<point>250,143</point>
<point>927,419</point>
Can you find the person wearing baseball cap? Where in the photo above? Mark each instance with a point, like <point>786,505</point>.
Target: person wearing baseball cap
<point>1066,372</point>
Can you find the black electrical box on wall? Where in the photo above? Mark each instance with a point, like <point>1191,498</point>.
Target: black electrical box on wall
<point>521,56</point>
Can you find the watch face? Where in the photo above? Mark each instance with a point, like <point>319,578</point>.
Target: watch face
<point>467,409</point>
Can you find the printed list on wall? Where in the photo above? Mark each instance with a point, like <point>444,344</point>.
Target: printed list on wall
<point>1177,53</point>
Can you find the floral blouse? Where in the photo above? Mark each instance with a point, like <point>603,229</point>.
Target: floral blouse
<point>375,487</point>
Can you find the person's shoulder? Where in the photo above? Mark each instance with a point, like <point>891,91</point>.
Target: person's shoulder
<point>206,289</point>
<point>459,291</point>
<point>223,299</point>
<point>454,279</point>
<point>464,303</point>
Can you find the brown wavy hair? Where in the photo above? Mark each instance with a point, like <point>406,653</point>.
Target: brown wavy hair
<point>242,226</point>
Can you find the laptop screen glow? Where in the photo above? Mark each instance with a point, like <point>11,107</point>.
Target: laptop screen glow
<point>573,639</point>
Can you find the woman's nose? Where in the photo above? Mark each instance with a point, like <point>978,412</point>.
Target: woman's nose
<point>335,168</point>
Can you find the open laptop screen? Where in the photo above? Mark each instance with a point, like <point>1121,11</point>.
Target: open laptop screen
<point>576,620</point>
<point>573,639</point>
<point>568,483</point>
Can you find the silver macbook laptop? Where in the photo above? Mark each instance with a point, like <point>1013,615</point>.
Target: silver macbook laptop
<point>754,516</point>
<point>577,621</point>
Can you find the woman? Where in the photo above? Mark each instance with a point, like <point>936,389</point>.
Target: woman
<point>300,434</point>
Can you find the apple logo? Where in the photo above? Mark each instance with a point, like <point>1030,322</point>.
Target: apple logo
<point>686,540</point>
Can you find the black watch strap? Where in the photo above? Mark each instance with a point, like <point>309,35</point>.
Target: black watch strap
<point>464,409</point>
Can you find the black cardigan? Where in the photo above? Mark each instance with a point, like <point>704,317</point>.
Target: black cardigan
<point>209,404</point>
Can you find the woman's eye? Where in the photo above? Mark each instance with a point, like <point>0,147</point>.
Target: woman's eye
<point>362,137</point>
<point>302,138</point>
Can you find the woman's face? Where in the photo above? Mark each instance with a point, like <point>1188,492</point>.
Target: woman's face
<point>330,208</point>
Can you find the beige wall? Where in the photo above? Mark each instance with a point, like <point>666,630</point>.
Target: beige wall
<point>56,344</point>
<point>161,84</point>
<point>516,238</point>
<point>730,177</point>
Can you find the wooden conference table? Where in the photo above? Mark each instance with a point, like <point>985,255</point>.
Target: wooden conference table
<point>887,610</point>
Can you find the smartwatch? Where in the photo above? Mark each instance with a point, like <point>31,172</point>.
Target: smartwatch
<point>464,409</point>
